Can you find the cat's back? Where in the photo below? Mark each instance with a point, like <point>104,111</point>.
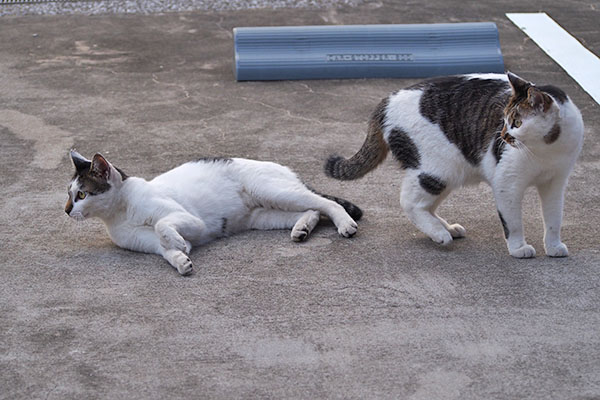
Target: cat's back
<point>203,169</point>
<point>464,110</point>
<point>449,100</point>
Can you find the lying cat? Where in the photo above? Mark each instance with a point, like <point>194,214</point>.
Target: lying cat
<point>452,131</point>
<point>198,202</point>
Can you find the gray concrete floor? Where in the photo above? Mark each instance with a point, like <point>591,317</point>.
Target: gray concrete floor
<point>387,314</point>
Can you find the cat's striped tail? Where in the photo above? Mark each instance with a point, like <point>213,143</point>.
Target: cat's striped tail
<point>371,154</point>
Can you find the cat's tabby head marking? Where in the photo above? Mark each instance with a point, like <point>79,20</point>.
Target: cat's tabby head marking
<point>531,116</point>
<point>92,188</point>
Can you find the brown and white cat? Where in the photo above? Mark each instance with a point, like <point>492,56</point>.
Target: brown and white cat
<point>453,131</point>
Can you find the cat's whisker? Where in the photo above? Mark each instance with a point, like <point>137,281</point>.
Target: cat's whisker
<point>528,153</point>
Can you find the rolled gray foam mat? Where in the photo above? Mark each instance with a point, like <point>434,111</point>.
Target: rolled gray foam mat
<point>366,51</point>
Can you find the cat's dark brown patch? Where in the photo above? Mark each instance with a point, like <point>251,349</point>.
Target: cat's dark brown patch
<point>558,94</point>
<point>468,111</point>
<point>504,226</point>
<point>224,226</point>
<point>553,135</point>
<point>404,149</point>
<point>352,209</point>
<point>92,184</point>
<point>373,151</point>
<point>431,184</point>
<point>498,147</point>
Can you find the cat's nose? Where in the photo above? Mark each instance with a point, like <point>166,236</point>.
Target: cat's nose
<point>68,207</point>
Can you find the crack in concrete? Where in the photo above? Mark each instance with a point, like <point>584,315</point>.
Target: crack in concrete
<point>181,87</point>
<point>288,112</point>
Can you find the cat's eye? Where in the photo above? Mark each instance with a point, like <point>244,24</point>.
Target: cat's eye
<point>80,195</point>
<point>517,123</point>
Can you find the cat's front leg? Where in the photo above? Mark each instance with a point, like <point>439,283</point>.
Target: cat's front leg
<point>508,201</point>
<point>177,229</point>
<point>172,232</point>
<point>178,259</point>
<point>552,198</point>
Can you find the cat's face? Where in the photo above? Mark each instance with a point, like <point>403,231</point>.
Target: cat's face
<point>530,116</point>
<point>93,188</point>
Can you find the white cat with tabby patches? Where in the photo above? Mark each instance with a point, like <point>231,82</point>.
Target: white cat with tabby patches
<point>198,202</point>
<point>452,131</point>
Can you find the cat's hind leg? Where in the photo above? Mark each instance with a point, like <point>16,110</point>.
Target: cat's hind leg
<point>552,197</point>
<point>307,200</point>
<point>292,195</point>
<point>304,226</point>
<point>456,230</point>
<point>420,195</point>
<point>301,223</point>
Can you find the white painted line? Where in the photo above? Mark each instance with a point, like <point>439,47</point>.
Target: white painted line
<point>576,60</point>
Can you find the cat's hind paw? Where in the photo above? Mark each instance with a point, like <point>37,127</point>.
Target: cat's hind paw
<point>305,225</point>
<point>559,250</point>
<point>525,251</point>
<point>457,231</point>
<point>299,234</point>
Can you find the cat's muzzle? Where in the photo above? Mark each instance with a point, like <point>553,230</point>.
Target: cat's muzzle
<point>507,137</point>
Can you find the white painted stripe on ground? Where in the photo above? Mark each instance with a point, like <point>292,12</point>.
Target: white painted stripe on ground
<point>580,63</point>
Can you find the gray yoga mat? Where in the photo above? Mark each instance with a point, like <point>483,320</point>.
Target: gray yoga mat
<point>366,51</point>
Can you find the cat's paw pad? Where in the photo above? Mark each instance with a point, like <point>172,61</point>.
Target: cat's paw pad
<point>443,237</point>
<point>300,234</point>
<point>457,231</point>
<point>184,265</point>
<point>559,250</point>
<point>525,251</point>
<point>348,229</point>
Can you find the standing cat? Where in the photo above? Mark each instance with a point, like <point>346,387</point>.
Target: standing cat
<point>198,202</point>
<point>452,131</point>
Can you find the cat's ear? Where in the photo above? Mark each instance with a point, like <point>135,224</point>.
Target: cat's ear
<point>538,100</point>
<point>80,163</point>
<point>100,167</point>
<point>518,84</point>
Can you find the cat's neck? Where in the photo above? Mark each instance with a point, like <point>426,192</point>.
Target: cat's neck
<point>123,201</point>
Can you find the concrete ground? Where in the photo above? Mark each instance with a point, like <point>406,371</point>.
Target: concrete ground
<point>387,314</point>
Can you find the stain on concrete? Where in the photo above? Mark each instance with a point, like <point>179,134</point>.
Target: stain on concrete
<point>86,54</point>
<point>50,143</point>
<point>15,155</point>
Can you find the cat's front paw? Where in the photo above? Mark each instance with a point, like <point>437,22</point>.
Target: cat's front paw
<point>442,237</point>
<point>184,264</point>
<point>559,250</point>
<point>348,228</point>
<point>525,251</point>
